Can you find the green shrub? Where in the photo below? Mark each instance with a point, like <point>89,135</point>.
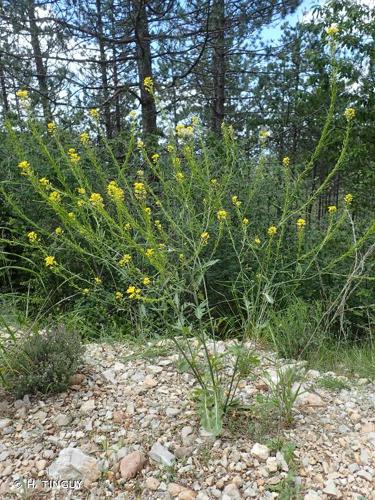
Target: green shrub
<point>41,362</point>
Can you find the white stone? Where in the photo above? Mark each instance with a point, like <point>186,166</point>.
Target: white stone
<point>61,419</point>
<point>260,451</point>
<point>72,463</point>
<point>88,406</point>
<point>161,455</point>
<point>231,492</point>
<point>330,489</point>
<point>312,495</point>
<point>152,483</point>
<point>272,464</point>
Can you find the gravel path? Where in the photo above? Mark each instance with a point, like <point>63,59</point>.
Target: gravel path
<point>126,419</point>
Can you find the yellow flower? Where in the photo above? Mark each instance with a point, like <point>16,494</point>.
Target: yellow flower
<point>55,197</point>
<point>118,295</point>
<point>59,231</point>
<point>148,84</point>
<point>213,182</point>
<point>81,190</point>
<point>257,240</point>
<point>84,138</point>
<point>158,225</point>
<point>146,280</point>
<point>286,161</point>
<point>245,221</point>
<point>264,134</point>
<point>332,30</point>
<point>184,131</point>
<point>81,203</point>
<point>332,209</point>
<point>98,281</point>
<point>205,237</point>
<point>348,198</point>
<point>51,127</point>
<point>85,291</point>
<point>140,144</point>
<point>24,166</point>
<point>133,292</point>
<point>176,162</point>
<point>50,261</point>
<point>222,215</point>
<point>180,177</point>
<point>33,237</point>
<point>133,115</point>
<point>161,246</point>
<point>155,157</point>
<point>181,257</point>
<point>71,215</point>
<point>139,190</point>
<point>22,94</point>
<point>140,173</point>
<point>236,202</point>
<point>349,114</point>
<point>114,191</point>
<point>125,260</point>
<point>127,226</point>
<point>272,230</point>
<point>96,200</point>
<point>94,113</point>
<point>148,211</point>
<point>195,121</point>
<point>73,156</point>
<point>170,148</point>
<point>44,182</point>
<point>301,223</point>
<point>149,252</point>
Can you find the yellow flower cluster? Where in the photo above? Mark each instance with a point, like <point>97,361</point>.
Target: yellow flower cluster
<point>245,221</point>
<point>50,261</point>
<point>72,215</point>
<point>272,230</point>
<point>73,155</point>
<point>236,202</point>
<point>348,198</point>
<point>119,295</point>
<point>205,237</point>
<point>133,115</point>
<point>184,131</point>
<point>332,209</point>
<point>155,157</point>
<point>59,231</point>
<point>84,138</point>
<point>264,134</point>
<point>22,94</point>
<point>114,191</point>
<point>158,225</point>
<point>148,84</point>
<point>125,260</point>
<point>140,144</point>
<point>54,197</point>
<point>25,168</point>
<point>146,281</point>
<point>170,148</point>
<point>98,280</point>
<point>349,114</point>
<point>149,252</point>
<point>33,237</point>
<point>44,182</point>
<point>94,113</point>
<point>81,190</point>
<point>96,200</point>
<point>257,240</point>
<point>222,215</point>
<point>180,176</point>
<point>301,223</point>
<point>140,190</point>
<point>332,30</point>
<point>286,161</point>
<point>133,292</point>
<point>51,127</point>
<point>81,203</point>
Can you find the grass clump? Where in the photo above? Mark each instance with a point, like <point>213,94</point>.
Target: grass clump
<point>332,383</point>
<point>40,362</point>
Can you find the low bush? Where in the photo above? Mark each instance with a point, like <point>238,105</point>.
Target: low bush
<point>40,362</point>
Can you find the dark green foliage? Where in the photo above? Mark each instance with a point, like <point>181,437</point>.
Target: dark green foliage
<point>41,362</point>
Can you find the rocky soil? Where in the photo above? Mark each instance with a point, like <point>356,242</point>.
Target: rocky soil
<point>127,429</point>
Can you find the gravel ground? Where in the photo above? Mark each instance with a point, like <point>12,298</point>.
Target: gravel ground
<point>135,434</point>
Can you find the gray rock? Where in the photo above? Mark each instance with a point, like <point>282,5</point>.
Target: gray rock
<point>61,419</point>
<point>72,463</point>
<point>161,455</point>
<point>365,475</point>
<point>4,423</point>
<point>131,464</point>
<point>231,492</point>
<point>87,406</point>
<point>330,489</point>
<point>260,452</point>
